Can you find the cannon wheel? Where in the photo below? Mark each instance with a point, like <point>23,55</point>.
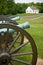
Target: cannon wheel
<point>7,57</point>
<point>6,19</point>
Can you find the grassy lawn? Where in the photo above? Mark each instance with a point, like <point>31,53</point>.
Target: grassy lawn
<point>36,31</point>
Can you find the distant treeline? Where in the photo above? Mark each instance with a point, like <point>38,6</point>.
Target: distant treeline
<point>10,7</point>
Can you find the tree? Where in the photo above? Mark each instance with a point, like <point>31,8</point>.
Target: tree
<point>7,6</point>
<point>11,6</point>
<point>41,9</point>
<point>3,7</point>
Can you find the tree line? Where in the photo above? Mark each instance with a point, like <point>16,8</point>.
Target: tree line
<point>10,7</point>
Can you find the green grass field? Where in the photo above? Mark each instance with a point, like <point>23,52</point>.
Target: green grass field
<point>35,30</point>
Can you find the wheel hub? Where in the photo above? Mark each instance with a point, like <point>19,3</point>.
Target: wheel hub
<point>4,58</point>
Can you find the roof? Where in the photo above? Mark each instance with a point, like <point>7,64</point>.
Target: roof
<point>33,8</point>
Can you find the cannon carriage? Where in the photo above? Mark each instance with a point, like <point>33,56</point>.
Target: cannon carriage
<point>13,37</point>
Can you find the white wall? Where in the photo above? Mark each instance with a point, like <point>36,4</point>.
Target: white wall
<point>28,10</point>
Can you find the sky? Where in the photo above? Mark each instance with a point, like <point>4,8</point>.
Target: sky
<point>27,1</point>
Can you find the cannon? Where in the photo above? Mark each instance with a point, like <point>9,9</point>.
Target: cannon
<point>13,43</point>
<point>15,19</point>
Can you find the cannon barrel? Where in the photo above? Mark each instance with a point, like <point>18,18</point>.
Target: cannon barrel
<point>23,26</point>
<point>16,18</point>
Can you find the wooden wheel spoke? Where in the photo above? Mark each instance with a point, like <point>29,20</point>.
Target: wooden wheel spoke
<point>21,54</point>
<point>11,63</point>
<point>21,61</point>
<point>14,41</point>
<point>18,48</point>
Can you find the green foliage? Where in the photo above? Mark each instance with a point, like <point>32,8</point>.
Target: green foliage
<point>3,7</point>
<point>10,7</point>
<point>41,8</point>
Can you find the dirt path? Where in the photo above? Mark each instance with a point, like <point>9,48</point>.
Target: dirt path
<point>40,61</point>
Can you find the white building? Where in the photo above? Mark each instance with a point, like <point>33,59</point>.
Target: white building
<point>32,10</point>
